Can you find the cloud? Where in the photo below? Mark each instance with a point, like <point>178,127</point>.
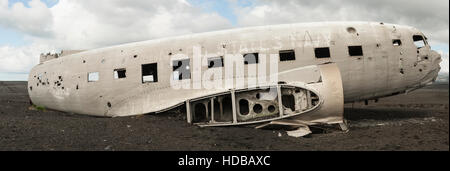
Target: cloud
<point>90,24</point>
<point>20,59</point>
<point>35,21</point>
<point>444,63</point>
<point>86,24</point>
<point>430,16</point>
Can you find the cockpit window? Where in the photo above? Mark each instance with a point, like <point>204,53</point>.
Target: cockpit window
<point>419,41</point>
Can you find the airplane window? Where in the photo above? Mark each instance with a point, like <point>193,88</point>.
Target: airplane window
<point>322,52</point>
<point>150,73</point>
<point>120,73</point>
<point>396,42</point>
<point>287,55</point>
<point>93,76</point>
<point>215,62</point>
<point>355,51</point>
<point>419,41</point>
<point>181,69</point>
<point>251,58</point>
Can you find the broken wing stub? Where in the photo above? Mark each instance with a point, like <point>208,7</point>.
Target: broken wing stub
<point>309,95</point>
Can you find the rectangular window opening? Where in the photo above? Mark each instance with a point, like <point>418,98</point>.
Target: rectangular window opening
<point>419,41</point>
<point>323,52</point>
<point>181,69</point>
<point>120,73</point>
<point>93,76</point>
<point>251,58</point>
<point>215,62</point>
<point>396,42</point>
<point>150,73</point>
<point>355,51</point>
<point>287,55</point>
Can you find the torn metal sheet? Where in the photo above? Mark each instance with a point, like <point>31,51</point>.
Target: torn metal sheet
<point>299,132</point>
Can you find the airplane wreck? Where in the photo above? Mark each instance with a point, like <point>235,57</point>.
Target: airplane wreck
<point>294,74</point>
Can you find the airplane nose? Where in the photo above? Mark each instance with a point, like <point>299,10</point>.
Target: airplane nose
<point>436,59</point>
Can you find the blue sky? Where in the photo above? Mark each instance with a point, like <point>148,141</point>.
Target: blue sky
<point>49,3</point>
<point>11,37</point>
<point>23,37</point>
<point>222,7</point>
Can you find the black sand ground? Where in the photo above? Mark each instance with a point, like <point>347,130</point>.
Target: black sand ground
<point>417,121</point>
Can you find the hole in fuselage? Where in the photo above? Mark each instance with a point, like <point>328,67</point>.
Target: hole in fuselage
<point>289,101</point>
<point>351,30</point>
<point>271,108</point>
<point>258,96</point>
<point>419,41</point>
<point>257,108</point>
<point>216,109</point>
<point>243,107</point>
<point>396,42</point>
<point>227,110</point>
<point>314,99</point>
<point>200,113</point>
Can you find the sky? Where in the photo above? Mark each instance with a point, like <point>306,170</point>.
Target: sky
<point>31,27</point>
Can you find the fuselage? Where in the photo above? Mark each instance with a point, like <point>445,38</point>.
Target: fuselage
<point>375,60</point>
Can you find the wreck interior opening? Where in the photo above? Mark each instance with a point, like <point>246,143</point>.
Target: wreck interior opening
<point>396,42</point>
<point>287,55</point>
<point>251,58</point>
<point>257,108</point>
<point>226,109</point>
<point>323,52</point>
<point>314,99</point>
<point>271,108</point>
<point>215,62</point>
<point>215,110</point>
<point>244,107</point>
<point>150,73</point>
<point>201,114</point>
<point>355,51</point>
<point>419,41</point>
<point>181,69</point>
<point>220,111</point>
<point>288,101</point>
<point>120,73</point>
